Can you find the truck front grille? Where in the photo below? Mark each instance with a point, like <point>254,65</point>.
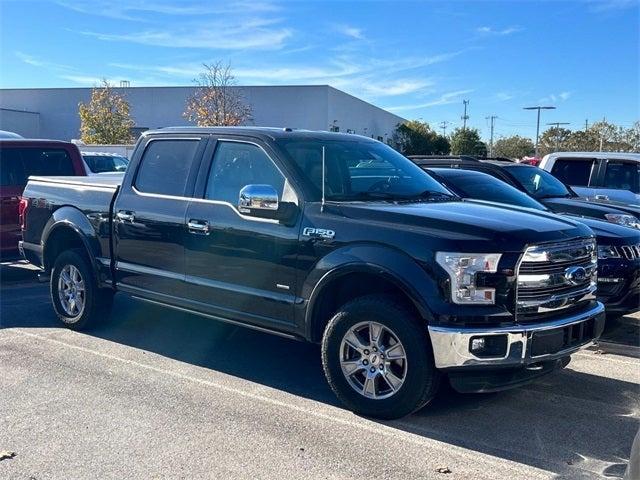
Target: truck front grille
<point>555,277</point>
<point>631,252</point>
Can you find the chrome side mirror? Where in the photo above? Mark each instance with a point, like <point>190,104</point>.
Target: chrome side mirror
<point>258,200</point>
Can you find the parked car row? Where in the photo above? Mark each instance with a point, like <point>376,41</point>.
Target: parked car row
<point>401,276</point>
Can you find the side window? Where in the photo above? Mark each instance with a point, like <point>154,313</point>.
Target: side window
<point>11,168</point>
<point>236,165</point>
<point>622,175</point>
<point>165,166</point>
<point>573,171</point>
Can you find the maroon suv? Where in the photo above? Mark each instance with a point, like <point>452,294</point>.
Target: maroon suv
<point>20,158</point>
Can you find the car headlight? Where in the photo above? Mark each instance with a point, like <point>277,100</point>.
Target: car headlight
<point>462,269</point>
<point>607,251</point>
<point>623,219</point>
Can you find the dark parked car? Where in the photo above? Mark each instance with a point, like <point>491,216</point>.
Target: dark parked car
<point>20,158</point>
<point>541,185</point>
<point>330,238</point>
<point>618,246</point>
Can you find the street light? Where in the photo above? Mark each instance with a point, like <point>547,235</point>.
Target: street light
<point>538,108</point>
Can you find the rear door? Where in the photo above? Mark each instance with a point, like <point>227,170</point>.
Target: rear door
<point>619,180</point>
<point>150,216</point>
<point>12,179</point>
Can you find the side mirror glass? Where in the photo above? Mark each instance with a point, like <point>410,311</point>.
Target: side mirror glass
<point>259,201</point>
<point>262,201</point>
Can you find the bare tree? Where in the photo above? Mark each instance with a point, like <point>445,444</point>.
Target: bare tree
<point>217,100</point>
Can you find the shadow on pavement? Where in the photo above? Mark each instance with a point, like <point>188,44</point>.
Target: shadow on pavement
<point>563,423</point>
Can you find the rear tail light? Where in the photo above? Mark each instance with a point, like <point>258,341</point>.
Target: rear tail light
<point>22,212</point>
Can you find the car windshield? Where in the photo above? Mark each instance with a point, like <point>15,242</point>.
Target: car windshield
<point>538,183</point>
<point>361,170</point>
<point>106,163</point>
<point>481,186</point>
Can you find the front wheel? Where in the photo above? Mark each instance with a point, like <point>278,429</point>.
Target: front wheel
<point>76,297</point>
<point>377,358</point>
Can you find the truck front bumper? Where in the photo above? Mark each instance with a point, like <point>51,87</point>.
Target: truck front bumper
<point>518,345</point>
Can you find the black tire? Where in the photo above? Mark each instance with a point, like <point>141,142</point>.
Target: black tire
<point>422,379</point>
<point>97,301</point>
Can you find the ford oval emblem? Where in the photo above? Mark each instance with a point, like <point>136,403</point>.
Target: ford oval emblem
<point>575,275</point>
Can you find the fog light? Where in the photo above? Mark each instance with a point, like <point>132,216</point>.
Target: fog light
<point>610,280</point>
<point>477,344</point>
<point>488,346</point>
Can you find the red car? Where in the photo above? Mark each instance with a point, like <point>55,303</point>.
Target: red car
<point>20,158</point>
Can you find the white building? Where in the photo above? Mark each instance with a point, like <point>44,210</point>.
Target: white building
<point>53,112</point>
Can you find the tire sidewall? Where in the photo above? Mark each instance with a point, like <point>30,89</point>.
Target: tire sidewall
<point>75,258</point>
<point>421,373</point>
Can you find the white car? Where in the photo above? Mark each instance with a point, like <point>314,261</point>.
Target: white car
<point>104,163</point>
<point>598,175</point>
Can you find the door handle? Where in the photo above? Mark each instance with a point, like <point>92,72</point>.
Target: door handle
<point>198,226</point>
<point>125,216</point>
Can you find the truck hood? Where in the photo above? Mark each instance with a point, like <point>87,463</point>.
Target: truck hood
<point>467,222</point>
<point>591,208</point>
<point>609,233</point>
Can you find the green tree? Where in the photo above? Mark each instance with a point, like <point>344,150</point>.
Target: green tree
<point>554,139</point>
<point>105,119</point>
<point>514,147</point>
<point>466,141</point>
<point>417,138</point>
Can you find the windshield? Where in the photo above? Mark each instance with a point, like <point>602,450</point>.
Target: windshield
<point>481,186</point>
<point>538,183</point>
<point>106,163</point>
<point>360,170</point>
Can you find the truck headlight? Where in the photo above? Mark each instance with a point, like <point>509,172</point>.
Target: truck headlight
<point>462,269</point>
<point>607,251</point>
<point>623,219</point>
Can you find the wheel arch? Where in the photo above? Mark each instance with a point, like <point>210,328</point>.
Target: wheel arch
<point>329,288</point>
<point>69,228</point>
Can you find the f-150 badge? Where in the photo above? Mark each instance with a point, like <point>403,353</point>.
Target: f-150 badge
<point>318,232</point>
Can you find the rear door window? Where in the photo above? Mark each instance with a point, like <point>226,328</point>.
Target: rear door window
<point>622,176</point>
<point>20,163</point>
<point>574,171</point>
<point>165,167</point>
<point>11,168</point>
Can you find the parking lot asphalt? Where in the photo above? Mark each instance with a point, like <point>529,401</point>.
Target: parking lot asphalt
<point>157,394</point>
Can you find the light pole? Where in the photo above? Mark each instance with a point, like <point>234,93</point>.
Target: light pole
<point>538,108</point>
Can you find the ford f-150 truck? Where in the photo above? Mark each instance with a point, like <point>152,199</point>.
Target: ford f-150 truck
<point>330,238</point>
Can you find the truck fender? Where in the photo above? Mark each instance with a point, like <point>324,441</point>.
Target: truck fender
<point>391,264</point>
<point>71,218</point>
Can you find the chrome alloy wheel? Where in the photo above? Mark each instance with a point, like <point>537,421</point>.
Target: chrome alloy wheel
<point>71,291</point>
<point>373,360</point>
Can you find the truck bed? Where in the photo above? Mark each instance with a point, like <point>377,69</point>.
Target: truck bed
<point>102,181</point>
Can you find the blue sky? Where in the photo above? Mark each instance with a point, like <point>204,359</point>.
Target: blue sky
<point>417,59</point>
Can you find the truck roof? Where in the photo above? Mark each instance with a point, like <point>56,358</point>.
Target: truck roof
<point>271,133</point>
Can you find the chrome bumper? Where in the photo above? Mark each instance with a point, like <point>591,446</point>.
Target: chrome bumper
<point>451,345</point>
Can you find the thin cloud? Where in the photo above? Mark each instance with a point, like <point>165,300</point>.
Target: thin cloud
<point>497,32</point>
<point>556,97</point>
<point>600,6</point>
<point>255,34</point>
<point>444,99</point>
<point>138,10</point>
<point>39,62</point>
<point>350,31</point>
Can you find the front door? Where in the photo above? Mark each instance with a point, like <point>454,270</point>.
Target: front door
<point>149,218</point>
<point>240,267</point>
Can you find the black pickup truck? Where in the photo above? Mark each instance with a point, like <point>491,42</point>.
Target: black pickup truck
<point>330,238</point>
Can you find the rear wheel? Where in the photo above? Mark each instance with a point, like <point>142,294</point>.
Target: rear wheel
<point>76,297</point>
<point>377,358</point>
